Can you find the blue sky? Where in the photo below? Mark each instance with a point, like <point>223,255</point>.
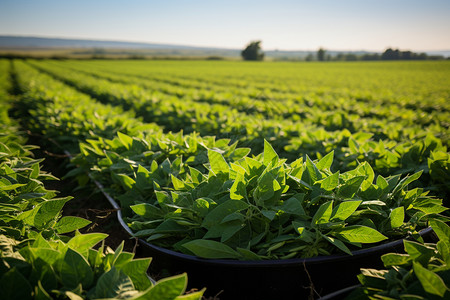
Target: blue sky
<point>282,24</point>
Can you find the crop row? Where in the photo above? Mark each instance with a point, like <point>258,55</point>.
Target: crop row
<point>37,259</point>
<point>408,149</point>
<point>332,112</point>
<point>134,168</point>
<point>231,204</point>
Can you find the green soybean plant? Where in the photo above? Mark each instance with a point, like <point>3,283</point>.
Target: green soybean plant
<point>27,207</point>
<point>423,272</point>
<point>130,167</point>
<point>75,270</point>
<point>263,208</point>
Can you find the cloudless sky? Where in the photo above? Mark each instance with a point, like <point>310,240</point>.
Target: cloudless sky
<point>283,24</point>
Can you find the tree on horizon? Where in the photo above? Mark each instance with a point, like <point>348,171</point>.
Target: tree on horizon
<point>253,51</point>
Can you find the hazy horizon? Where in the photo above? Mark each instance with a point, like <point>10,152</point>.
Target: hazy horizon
<point>286,25</point>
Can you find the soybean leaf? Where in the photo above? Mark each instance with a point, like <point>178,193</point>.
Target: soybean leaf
<point>350,187</point>
<point>269,214</point>
<point>444,250</point>
<point>326,161</point>
<point>373,278</point>
<point>269,154</point>
<point>405,181</point>
<point>248,254</point>
<point>305,235</point>
<point>44,254</point>
<point>441,229</point>
<point>339,244</point>
<point>178,185</point>
<point>230,229</point>
<point>192,296</point>
<point>83,242</point>
<point>124,180</point>
<point>381,182</point>
<point>75,269</point>
<point>69,223</point>
<point>46,212</point>
<point>366,169</point>
<point>41,242</point>
<point>210,249</point>
<point>196,175</point>
<point>344,210</point>
<point>137,271</point>
<point>397,217</point>
<point>112,284</point>
<point>293,206</point>
<point>323,214</point>
<point>126,140</point>
<point>202,206</point>
<point>395,259</point>
<point>217,162</point>
<point>222,210</point>
<point>166,289</point>
<point>431,282</point>
<point>360,234</point>
<point>313,174</point>
<point>238,190</point>
<point>418,252</point>
<point>267,186</point>
<point>331,182</point>
<point>147,210</point>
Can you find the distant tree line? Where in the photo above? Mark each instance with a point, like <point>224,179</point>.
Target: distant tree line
<point>388,54</point>
<point>253,51</point>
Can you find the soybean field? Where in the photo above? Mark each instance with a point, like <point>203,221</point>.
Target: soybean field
<point>246,160</point>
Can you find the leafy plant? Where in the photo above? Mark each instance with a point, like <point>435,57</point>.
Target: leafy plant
<point>56,270</point>
<point>422,273</point>
<point>130,167</point>
<point>264,208</point>
<point>36,263</point>
<point>27,208</point>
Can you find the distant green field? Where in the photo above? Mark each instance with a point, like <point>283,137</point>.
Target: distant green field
<point>152,132</point>
<point>283,102</point>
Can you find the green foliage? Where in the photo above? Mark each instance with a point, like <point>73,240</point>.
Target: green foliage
<point>27,208</point>
<point>397,128</point>
<point>54,269</point>
<point>389,141</point>
<point>253,51</point>
<point>272,209</point>
<point>36,263</point>
<point>422,273</point>
<point>65,116</point>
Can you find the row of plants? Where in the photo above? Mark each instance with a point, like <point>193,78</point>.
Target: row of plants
<point>38,260</point>
<point>65,116</point>
<point>256,207</point>
<point>331,114</point>
<point>381,83</point>
<point>416,151</point>
<point>274,105</point>
<point>186,192</point>
<point>158,179</point>
<point>423,272</point>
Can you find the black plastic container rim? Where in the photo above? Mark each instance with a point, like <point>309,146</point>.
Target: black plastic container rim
<point>340,293</point>
<point>280,262</point>
<point>254,263</point>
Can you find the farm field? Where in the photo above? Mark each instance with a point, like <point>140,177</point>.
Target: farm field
<point>247,160</point>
